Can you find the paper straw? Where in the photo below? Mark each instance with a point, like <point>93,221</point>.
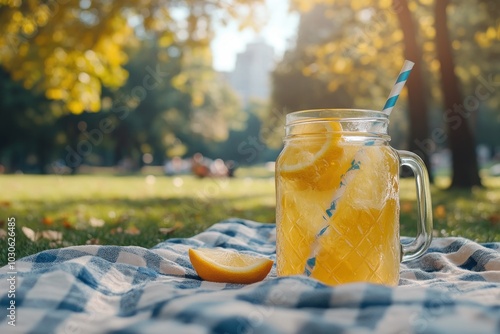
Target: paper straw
<point>351,171</point>
<point>344,180</point>
<point>398,87</point>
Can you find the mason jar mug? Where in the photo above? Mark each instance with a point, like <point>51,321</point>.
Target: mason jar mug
<point>337,209</point>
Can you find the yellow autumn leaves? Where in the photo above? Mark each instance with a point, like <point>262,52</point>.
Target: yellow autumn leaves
<point>70,49</point>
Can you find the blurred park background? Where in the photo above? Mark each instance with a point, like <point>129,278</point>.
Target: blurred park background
<point>126,122</point>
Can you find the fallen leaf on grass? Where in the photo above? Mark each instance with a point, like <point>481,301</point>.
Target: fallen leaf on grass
<point>47,221</point>
<point>47,234</point>
<point>132,230</point>
<point>440,212</point>
<point>3,234</point>
<point>29,233</point>
<point>123,218</point>
<point>116,230</point>
<point>96,222</point>
<point>59,243</point>
<point>5,204</point>
<point>406,207</point>
<point>494,219</point>
<point>93,241</point>
<point>168,230</point>
<point>67,224</point>
<point>51,235</point>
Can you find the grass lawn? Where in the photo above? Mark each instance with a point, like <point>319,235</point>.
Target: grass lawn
<point>143,210</point>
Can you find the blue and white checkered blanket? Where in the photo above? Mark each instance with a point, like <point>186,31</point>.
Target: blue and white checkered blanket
<point>454,288</point>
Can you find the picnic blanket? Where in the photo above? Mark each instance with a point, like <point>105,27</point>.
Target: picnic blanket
<point>453,288</point>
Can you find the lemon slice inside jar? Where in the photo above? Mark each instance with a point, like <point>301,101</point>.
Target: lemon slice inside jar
<point>310,157</point>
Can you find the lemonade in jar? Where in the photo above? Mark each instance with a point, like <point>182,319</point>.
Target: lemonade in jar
<point>337,215</point>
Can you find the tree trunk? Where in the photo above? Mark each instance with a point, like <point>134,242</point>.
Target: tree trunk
<point>461,139</point>
<point>418,110</point>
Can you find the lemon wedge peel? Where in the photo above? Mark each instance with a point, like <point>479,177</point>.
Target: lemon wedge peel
<point>329,145</point>
<point>311,161</point>
<point>224,266</point>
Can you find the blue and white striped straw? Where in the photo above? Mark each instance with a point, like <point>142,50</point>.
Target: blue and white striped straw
<point>349,174</point>
<point>329,213</point>
<point>398,86</point>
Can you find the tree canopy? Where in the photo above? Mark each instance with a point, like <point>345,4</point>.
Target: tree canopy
<point>360,45</point>
<point>145,65</point>
<point>70,49</point>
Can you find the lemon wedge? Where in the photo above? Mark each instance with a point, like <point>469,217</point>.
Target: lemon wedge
<point>310,157</point>
<point>224,266</point>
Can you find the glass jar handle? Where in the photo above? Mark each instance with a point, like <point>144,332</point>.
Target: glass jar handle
<point>422,241</point>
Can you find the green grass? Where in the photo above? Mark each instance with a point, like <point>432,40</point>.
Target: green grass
<point>471,214</point>
<point>135,207</point>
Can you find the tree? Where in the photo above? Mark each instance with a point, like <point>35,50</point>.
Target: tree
<point>71,49</point>
<point>153,117</point>
<point>464,160</point>
<point>184,104</point>
<point>157,116</point>
<point>417,104</point>
<point>27,133</point>
<point>243,145</point>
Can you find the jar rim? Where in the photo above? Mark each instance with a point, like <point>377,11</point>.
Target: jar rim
<point>335,114</point>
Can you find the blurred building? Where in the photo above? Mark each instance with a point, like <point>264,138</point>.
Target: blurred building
<point>251,77</point>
